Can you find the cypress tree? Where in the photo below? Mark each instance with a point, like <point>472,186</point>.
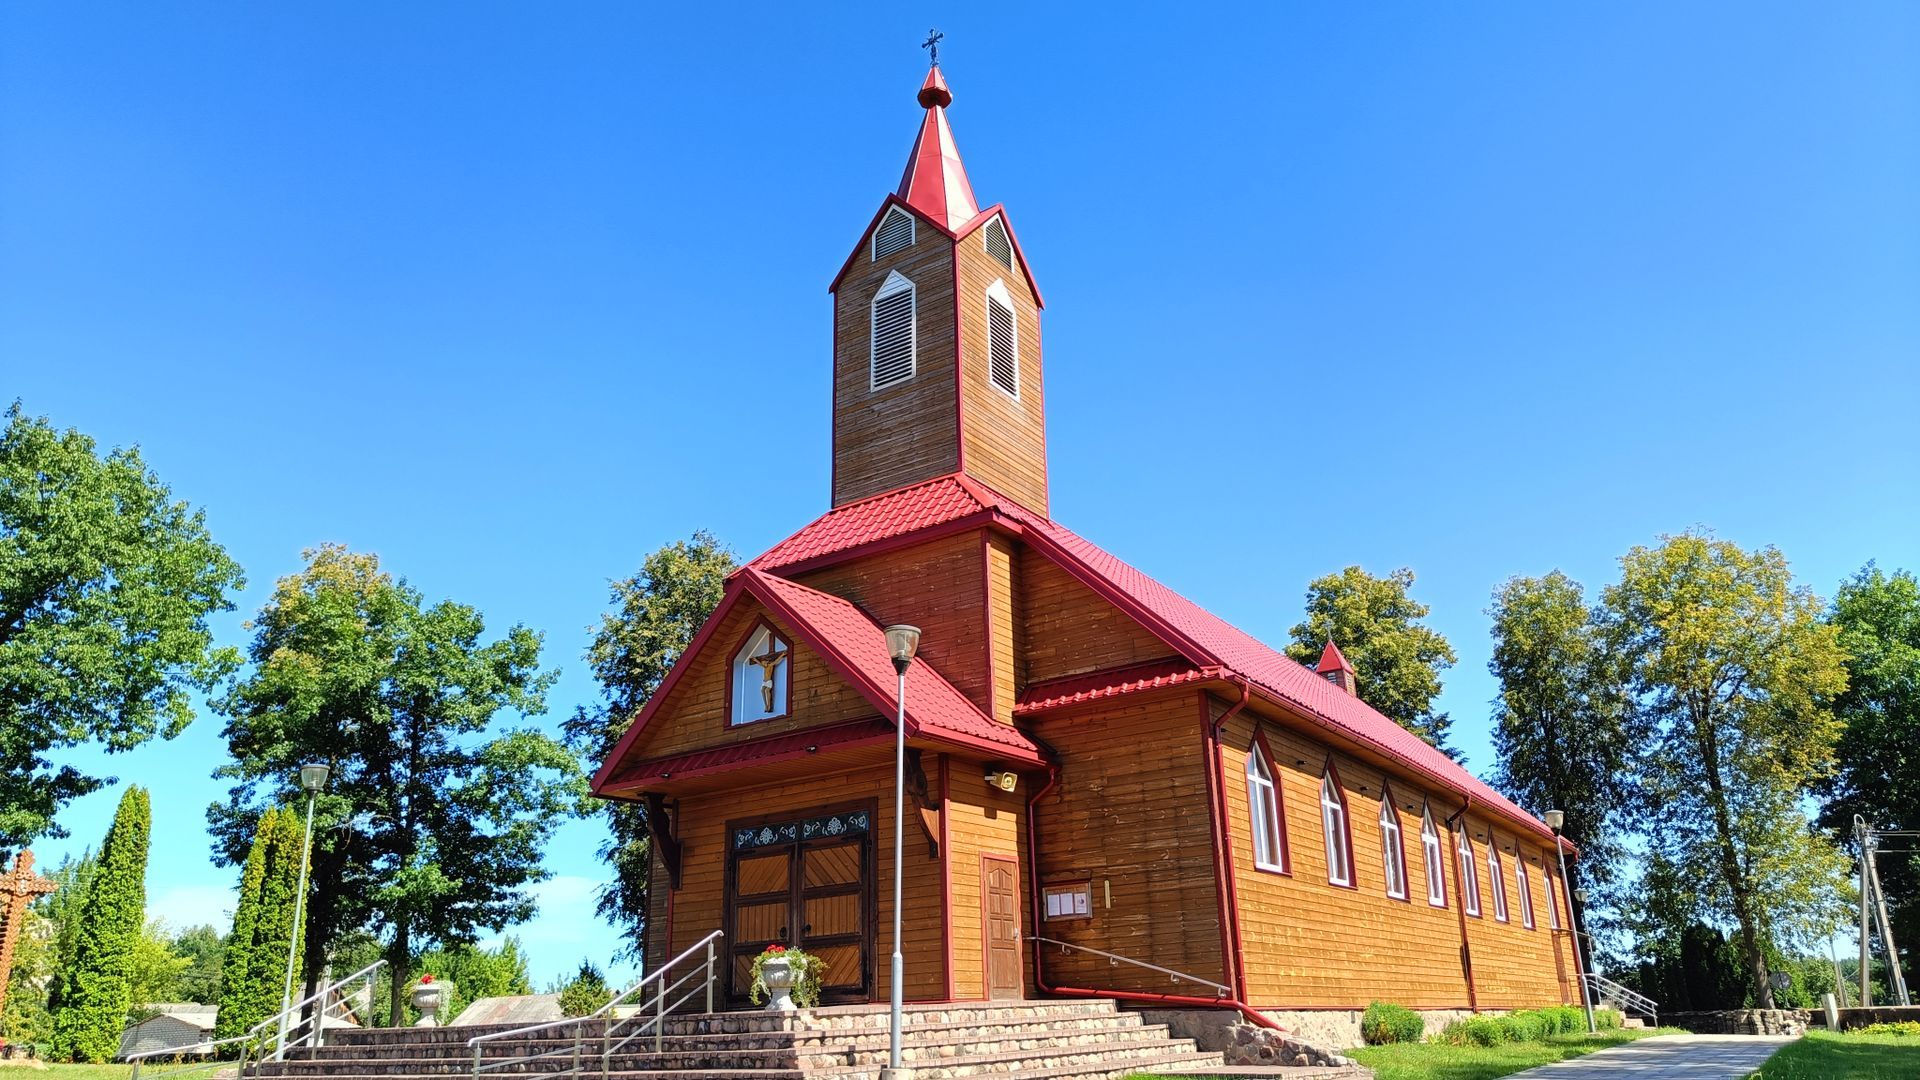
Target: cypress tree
<point>96,983</point>
<point>254,968</point>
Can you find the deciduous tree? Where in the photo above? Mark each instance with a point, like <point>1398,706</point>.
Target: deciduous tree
<point>655,615</point>
<point>106,582</point>
<point>1733,667</point>
<point>1562,725</point>
<point>433,820</point>
<point>204,950</point>
<point>97,977</point>
<point>1377,625</point>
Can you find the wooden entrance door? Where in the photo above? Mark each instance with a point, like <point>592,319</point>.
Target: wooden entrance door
<point>1000,923</point>
<point>805,882</point>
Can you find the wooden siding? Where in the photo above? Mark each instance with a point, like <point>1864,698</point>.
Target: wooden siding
<point>1004,439</point>
<point>1069,629</point>
<point>1514,967</point>
<point>981,821</point>
<point>697,907</point>
<point>1005,629</point>
<point>695,713</point>
<point>1308,943</point>
<point>938,586</point>
<point>907,432</point>
<point>1130,815</point>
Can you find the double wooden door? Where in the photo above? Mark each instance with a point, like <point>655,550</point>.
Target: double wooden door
<point>803,882</point>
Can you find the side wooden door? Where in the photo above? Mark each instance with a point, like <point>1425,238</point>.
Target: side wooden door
<point>1000,923</point>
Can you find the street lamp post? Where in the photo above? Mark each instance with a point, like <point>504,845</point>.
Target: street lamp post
<point>1555,819</point>
<point>902,642</point>
<point>313,777</point>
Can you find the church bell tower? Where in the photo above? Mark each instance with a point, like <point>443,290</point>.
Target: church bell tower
<point>936,337</point>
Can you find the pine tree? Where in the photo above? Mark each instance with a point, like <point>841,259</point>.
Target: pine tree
<point>96,990</point>
<point>253,973</point>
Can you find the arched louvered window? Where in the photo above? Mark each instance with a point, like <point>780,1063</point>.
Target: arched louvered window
<point>1003,339</point>
<point>1434,856</point>
<point>1469,874</point>
<point>894,332</point>
<point>1333,825</point>
<point>998,244</point>
<point>1393,849</point>
<point>1526,890</point>
<point>1496,877</point>
<point>894,234</point>
<point>1263,807</point>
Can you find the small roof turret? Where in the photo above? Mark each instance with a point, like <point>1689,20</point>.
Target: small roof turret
<point>935,182</point>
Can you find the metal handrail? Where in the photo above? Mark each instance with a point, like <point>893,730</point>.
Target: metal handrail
<point>1606,988</point>
<point>1219,990</point>
<point>658,1004</point>
<point>257,1035</point>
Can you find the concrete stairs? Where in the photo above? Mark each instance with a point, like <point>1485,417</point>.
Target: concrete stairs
<point>1043,1040</point>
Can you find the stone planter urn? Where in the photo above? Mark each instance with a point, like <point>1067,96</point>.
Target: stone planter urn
<point>777,974</point>
<point>427,998</point>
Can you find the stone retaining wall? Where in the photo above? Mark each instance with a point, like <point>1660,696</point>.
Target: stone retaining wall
<point>1741,1021</point>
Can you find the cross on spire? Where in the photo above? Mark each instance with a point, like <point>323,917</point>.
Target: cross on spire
<point>932,45</point>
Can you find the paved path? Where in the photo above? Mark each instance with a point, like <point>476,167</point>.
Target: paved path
<point>1667,1057</point>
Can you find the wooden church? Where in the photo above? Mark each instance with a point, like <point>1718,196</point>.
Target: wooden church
<point>1093,760</point>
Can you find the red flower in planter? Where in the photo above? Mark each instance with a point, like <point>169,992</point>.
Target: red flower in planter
<point>425,980</point>
<point>776,948</point>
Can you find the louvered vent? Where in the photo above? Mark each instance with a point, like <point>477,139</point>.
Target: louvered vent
<point>894,234</point>
<point>998,246</point>
<point>1003,346</point>
<point>893,333</point>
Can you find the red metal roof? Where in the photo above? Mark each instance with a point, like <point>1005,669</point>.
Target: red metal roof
<point>1113,682</point>
<point>1204,639</point>
<point>1332,659</point>
<point>753,752</point>
<point>935,182</point>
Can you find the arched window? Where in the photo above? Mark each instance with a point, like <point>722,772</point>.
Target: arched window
<point>1496,877</point>
<point>1003,339</point>
<point>894,332</point>
<point>1526,889</point>
<point>761,689</point>
<point>1469,873</point>
<point>1433,855</point>
<point>1333,824</point>
<point>894,234</point>
<point>1268,822</point>
<point>1393,849</point>
<point>1553,899</point>
<point>993,235</point>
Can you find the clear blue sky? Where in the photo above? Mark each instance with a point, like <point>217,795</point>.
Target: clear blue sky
<point>512,294</point>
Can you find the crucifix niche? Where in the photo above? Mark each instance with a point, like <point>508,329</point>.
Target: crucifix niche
<point>762,667</point>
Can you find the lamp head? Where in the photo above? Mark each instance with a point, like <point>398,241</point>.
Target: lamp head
<point>902,642</point>
<point>313,777</point>
<point>1555,819</point>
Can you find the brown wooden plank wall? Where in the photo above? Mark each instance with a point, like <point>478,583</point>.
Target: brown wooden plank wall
<point>1130,814</point>
<point>1070,629</point>
<point>697,906</point>
<point>938,586</point>
<point>980,821</point>
<point>695,713</point>
<point>1515,967</point>
<point>1307,943</point>
<point>1004,439</point>
<point>907,432</point>
<point>1006,630</point>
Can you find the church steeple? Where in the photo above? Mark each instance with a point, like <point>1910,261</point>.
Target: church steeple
<point>936,359</point>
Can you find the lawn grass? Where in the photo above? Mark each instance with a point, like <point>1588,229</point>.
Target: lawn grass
<point>15,1070</point>
<point>1438,1061</point>
<point>1823,1055</point>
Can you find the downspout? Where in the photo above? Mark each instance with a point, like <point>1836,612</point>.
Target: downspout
<point>1460,904</point>
<point>1232,957</point>
<point>1039,951</point>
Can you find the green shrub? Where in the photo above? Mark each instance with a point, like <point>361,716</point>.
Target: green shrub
<point>1606,1019</point>
<point>1562,1020</point>
<point>1385,1022</point>
<point>1477,1031</point>
<point>1902,1028</point>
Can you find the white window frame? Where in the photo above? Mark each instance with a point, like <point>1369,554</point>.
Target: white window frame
<point>1393,847</point>
<point>1526,889</point>
<point>1264,817</point>
<point>747,679</point>
<point>1334,830</point>
<point>1469,873</point>
<point>873,246</point>
<point>1553,898</point>
<point>895,284</point>
<point>1497,877</point>
<point>997,293</point>
<point>1434,854</point>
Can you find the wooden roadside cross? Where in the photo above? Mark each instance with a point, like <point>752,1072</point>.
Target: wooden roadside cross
<point>18,888</point>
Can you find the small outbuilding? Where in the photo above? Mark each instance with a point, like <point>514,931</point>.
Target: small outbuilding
<point>181,1024</point>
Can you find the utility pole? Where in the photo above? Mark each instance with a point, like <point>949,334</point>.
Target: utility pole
<point>1866,958</point>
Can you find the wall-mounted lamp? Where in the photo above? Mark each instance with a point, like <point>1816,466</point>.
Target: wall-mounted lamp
<point>1003,779</point>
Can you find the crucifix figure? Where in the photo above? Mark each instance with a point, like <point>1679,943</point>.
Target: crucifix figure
<point>768,662</point>
<point>932,45</point>
<point>18,887</point>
